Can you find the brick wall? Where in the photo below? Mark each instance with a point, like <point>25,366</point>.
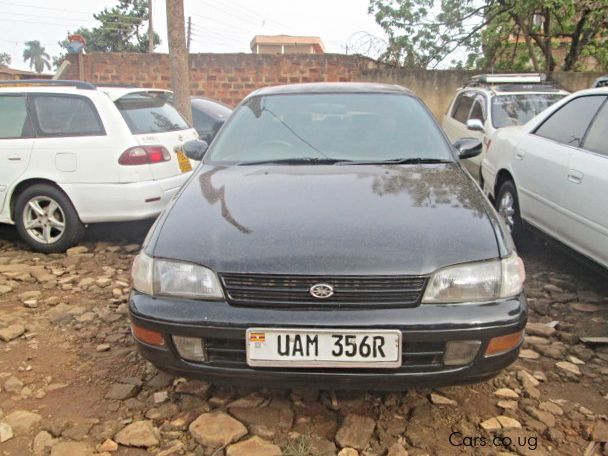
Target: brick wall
<point>229,77</point>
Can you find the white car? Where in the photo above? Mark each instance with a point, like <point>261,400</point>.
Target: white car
<point>553,173</point>
<point>493,101</point>
<point>72,154</point>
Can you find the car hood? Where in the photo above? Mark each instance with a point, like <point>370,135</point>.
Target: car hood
<point>352,219</point>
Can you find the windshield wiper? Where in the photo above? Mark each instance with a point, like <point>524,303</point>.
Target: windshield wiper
<point>295,161</point>
<point>395,161</point>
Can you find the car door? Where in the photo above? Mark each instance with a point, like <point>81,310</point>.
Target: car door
<point>478,112</point>
<point>454,123</point>
<point>541,162</point>
<point>586,195</point>
<point>16,140</point>
<point>71,143</point>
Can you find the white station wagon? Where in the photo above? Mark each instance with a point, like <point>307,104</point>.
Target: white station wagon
<point>553,173</point>
<point>73,154</point>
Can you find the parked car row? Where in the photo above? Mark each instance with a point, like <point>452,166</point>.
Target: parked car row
<point>72,153</point>
<point>331,232</point>
<point>545,159</point>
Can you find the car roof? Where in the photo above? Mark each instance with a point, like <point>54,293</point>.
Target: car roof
<point>79,87</point>
<point>332,87</point>
<point>118,92</point>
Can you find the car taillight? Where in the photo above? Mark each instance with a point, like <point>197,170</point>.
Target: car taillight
<point>144,155</point>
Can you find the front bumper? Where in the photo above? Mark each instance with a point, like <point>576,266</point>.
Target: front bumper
<point>425,330</point>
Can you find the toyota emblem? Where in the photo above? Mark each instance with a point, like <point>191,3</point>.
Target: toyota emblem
<point>321,291</point>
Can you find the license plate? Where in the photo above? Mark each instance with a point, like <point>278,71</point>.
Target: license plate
<point>183,161</point>
<point>274,347</point>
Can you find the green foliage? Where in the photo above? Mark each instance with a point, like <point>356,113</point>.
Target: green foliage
<point>123,29</point>
<point>35,54</point>
<point>5,59</point>
<point>502,34</point>
<point>299,447</point>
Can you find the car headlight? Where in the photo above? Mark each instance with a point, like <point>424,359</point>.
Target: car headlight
<point>160,277</point>
<point>474,282</point>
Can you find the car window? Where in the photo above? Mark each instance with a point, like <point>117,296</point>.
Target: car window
<point>462,107</point>
<point>150,112</point>
<point>508,110</point>
<point>569,124</point>
<point>202,121</point>
<point>66,115</point>
<point>342,126</point>
<point>14,119</point>
<point>477,111</point>
<point>597,136</point>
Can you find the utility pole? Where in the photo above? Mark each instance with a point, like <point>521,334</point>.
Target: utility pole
<point>150,28</point>
<point>178,57</point>
<point>189,33</point>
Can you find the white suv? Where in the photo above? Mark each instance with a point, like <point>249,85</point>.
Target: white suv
<point>492,101</point>
<point>72,154</point>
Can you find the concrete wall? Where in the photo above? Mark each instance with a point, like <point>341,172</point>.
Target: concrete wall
<point>229,77</point>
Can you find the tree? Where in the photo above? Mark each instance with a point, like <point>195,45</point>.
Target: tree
<point>123,29</point>
<point>531,33</point>
<point>36,55</point>
<point>178,57</point>
<point>5,59</point>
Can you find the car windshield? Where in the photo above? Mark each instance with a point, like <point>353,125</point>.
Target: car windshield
<point>348,127</point>
<point>150,112</point>
<point>509,110</point>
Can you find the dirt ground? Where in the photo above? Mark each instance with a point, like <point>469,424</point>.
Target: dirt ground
<point>72,383</point>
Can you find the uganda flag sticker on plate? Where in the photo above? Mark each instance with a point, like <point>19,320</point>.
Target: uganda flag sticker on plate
<point>257,337</point>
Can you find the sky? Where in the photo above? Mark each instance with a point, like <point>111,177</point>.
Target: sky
<point>217,25</point>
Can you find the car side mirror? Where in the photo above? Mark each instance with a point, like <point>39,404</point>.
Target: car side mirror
<point>468,147</point>
<point>195,149</point>
<point>475,125</point>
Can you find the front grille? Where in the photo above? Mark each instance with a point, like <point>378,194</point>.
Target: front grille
<point>349,291</point>
<point>416,356</point>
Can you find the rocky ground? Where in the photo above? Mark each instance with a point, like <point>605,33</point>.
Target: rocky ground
<point>72,383</point>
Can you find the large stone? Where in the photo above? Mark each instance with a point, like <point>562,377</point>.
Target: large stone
<point>396,450</point>
<point>544,417</point>
<point>355,432</point>
<point>491,424</point>
<point>13,384</point>
<point>138,434</point>
<point>272,417</point>
<point>568,367</point>
<point>348,452</point>
<point>255,446</point>
<point>120,391</point>
<point>438,399</point>
<point>508,422</point>
<point>11,332</point>
<point>216,429</point>
<point>42,442</point>
<point>539,329</point>
<point>4,289</point>
<point>78,250</point>
<point>6,432</point>
<point>22,421</point>
<point>71,449</point>
<point>600,432</point>
<point>27,295</point>
<point>583,307</point>
<point>506,393</point>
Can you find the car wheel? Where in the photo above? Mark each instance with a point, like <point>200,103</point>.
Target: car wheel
<point>507,205</point>
<point>47,220</point>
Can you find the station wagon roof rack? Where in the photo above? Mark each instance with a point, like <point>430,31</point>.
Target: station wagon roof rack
<point>509,78</point>
<point>117,85</point>
<point>48,82</point>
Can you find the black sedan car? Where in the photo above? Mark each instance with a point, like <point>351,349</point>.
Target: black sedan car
<point>330,237</point>
<point>208,116</point>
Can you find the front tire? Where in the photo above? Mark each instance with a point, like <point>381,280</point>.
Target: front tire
<point>46,219</point>
<point>507,205</point>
